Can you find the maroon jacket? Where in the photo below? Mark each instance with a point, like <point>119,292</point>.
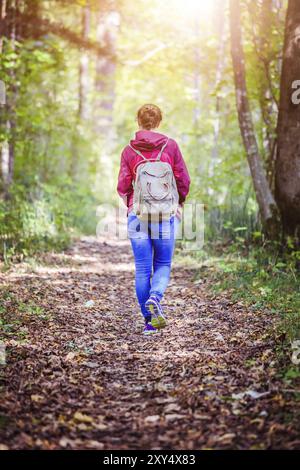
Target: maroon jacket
<point>149,144</point>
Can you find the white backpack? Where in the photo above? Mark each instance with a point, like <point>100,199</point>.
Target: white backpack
<point>155,191</point>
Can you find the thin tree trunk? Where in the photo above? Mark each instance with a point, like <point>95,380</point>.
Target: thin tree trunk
<point>264,20</point>
<point>267,95</point>
<point>9,12</point>
<point>12,102</point>
<point>105,82</point>
<point>83,112</point>
<point>197,79</point>
<point>83,105</point>
<point>287,166</point>
<point>265,199</point>
<point>3,145</point>
<point>105,73</point>
<point>221,32</point>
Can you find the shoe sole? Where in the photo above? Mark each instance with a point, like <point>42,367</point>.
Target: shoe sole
<point>157,319</point>
<point>149,333</point>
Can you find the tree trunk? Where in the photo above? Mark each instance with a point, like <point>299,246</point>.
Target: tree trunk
<point>83,113</point>
<point>221,33</point>
<point>105,73</point>
<point>264,21</point>
<point>197,80</point>
<point>287,166</point>
<point>268,102</point>
<point>105,82</point>
<point>265,199</point>
<point>83,105</point>
<point>9,17</point>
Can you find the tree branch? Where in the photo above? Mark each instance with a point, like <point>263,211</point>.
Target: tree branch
<point>43,26</point>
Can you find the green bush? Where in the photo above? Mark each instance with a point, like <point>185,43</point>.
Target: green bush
<point>43,218</point>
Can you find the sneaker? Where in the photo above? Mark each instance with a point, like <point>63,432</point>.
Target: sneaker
<point>157,319</point>
<point>149,329</point>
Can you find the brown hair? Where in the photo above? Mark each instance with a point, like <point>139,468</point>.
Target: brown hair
<point>149,116</point>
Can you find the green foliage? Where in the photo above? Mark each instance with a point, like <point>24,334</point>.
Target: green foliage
<point>262,279</point>
<point>16,314</point>
<point>42,217</point>
<point>65,166</point>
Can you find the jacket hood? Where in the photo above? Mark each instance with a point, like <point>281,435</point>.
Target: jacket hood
<point>148,140</point>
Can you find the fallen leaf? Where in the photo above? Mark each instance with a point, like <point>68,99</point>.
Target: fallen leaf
<point>82,417</point>
<point>152,419</point>
<point>36,398</point>
<point>171,407</point>
<point>251,393</point>
<point>174,417</point>
<point>91,365</point>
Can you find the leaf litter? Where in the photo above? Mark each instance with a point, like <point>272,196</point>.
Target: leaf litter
<point>78,374</point>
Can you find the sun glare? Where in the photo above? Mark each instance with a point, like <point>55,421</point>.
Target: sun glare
<point>195,7</point>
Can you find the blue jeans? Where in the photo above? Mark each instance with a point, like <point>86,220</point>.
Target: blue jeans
<point>153,247</point>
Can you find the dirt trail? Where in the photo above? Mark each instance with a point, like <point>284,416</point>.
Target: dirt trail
<point>85,378</point>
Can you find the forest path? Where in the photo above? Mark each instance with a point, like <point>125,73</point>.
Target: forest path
<point>85,378</point>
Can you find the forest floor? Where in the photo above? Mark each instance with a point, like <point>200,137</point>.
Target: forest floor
<point>80,376</point>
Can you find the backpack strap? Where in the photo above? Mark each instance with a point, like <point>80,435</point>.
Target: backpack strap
<point>161,151</point>
<point>138,152</point>
<point>147,159</point>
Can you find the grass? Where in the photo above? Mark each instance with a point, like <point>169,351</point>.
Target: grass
<point>15,314</point>
<point>271,288</point>
<point>257,277</point>
<point>261,279</point>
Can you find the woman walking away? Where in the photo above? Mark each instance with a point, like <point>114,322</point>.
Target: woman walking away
<point>154,182</point>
